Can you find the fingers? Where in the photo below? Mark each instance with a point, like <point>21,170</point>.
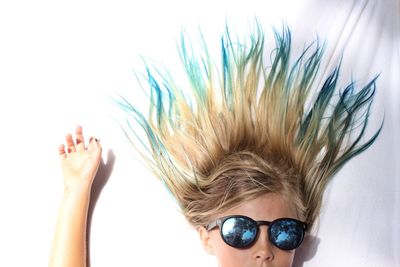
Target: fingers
<point>70,143</point>
<point>80,142</point>
<point>61,151</point>
<point>78,145</point>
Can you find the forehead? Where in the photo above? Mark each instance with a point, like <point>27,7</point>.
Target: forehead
<point>267,207</point>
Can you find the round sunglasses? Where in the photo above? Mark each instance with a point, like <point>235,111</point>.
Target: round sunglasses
<point>241,231</point>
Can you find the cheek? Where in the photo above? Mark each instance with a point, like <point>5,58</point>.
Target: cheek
<point>228,256</point>
<point>283,258</point>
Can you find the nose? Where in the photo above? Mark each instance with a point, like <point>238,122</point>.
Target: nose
<point>262,248</point>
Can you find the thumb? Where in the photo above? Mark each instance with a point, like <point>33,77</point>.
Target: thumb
<point>94,144</point>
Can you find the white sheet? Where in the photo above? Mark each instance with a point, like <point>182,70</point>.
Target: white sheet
<point>359,224</point>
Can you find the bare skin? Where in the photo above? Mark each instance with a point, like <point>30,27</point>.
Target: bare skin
<point>79,165</point>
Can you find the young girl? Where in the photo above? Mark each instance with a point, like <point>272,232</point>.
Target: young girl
<point>246,150</point>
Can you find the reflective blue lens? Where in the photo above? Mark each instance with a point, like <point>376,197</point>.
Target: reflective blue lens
<point>239,232</point>
<point>286,234</point>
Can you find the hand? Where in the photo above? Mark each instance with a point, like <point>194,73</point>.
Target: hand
<point>79,163</point>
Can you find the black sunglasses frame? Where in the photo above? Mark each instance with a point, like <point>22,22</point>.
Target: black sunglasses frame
<point>220,221</point>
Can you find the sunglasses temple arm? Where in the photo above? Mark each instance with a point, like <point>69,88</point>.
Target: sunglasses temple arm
<point>211,225</point>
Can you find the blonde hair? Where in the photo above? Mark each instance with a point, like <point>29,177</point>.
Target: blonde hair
<point>245,130</point>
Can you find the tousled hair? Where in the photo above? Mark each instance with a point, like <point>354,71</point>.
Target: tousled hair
<point>244,130</point>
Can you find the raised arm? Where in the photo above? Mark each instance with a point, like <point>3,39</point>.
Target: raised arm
<point>79,165</point>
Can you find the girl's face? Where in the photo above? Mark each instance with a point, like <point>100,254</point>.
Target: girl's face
<point>262,253</point>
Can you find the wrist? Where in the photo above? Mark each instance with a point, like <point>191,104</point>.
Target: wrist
<point>77,190</point>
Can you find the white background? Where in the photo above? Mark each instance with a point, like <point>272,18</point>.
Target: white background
<point>60,60</point>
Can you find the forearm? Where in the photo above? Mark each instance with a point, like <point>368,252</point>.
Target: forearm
<point>69,244</point>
